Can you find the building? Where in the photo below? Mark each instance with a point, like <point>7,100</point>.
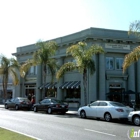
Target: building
<point>108,82</point>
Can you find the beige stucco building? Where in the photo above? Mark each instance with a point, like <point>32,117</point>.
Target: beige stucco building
<point>108,82</point>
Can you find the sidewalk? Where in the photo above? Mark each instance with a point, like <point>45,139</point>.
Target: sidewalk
<point>1,105</point>
<point>72,111</point>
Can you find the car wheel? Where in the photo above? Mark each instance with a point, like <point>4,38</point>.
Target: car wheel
<point>136,120</point>
<point>107,117</point>
<point>6,106</point>
<point>49,110</point>
<point>17,107</point>
<point>35,109</point>
<point>83,114</point>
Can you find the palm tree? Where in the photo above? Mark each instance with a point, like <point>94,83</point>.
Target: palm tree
<point>134,28</point>
<point>82,54</point>
<point>42,56</point>
<point>133,56</point>
<point>8,68</point>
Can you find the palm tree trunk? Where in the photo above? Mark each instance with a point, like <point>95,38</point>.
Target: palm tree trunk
<point>4,83</point>
<point>85,85</point>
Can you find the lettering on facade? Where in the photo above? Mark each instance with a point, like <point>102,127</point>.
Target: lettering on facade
<point>117,46</point>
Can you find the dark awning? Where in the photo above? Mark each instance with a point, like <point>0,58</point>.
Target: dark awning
<point>52,85</point>
<point>64,85</point>
<point>41,87</point>
<point>49,85</point>
<point>70,84</point>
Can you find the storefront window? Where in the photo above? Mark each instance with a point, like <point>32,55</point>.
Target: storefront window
<point>51,92</point>
<point>73,93</point>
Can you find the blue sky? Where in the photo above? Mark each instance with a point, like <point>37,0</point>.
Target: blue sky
<point>24,22</point>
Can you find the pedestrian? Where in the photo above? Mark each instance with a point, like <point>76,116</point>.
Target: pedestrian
<point>33,100</point>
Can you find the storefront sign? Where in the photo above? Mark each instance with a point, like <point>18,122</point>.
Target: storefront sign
<point>117,46</point>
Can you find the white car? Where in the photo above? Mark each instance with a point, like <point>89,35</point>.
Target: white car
<point>107,110</point>
<point>134,117</point>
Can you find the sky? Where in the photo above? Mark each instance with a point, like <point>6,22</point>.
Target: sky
<point>24,22</point>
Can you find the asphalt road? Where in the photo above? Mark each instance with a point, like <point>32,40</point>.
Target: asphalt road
<point>63,127</point>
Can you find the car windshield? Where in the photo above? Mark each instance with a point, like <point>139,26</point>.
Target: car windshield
<point>117,104</point>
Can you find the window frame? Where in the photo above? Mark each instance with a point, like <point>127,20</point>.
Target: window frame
<point>109,68</point>
<point>120,61</point>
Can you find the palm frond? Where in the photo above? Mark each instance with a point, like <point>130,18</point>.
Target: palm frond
<point>52,65</point>
<point>13,73</point>
<point>134,28</point>
<point>26,66</point>
<point>83,56</point>
<point>65,68</point>
<point>131,58</point>
<point>45,51</point>
<point>76,50</point>
<point>89,64</point>
<point>94,49</point>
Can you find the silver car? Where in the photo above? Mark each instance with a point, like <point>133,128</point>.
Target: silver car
<point>134,117</point>
<point>107,110</point>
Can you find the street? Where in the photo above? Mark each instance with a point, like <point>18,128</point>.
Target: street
<point>63,127</point>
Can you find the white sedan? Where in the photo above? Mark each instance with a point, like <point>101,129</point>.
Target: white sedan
<point>107,110</point>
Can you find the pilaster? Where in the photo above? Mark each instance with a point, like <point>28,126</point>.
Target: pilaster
<point>38,93</point>
<point>60,82</point>
<point>101,77</point>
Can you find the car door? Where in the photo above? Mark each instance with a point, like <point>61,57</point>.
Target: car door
<point>47,104</point>
<point>102,108</point>
<point>41,105</point>
<point>92,109</point>
<point>12,103</point>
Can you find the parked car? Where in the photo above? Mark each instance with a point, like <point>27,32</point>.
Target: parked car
<point>134,117</point>
<point>50,106</point>
<point>107,110</point>
<point>18,103</point>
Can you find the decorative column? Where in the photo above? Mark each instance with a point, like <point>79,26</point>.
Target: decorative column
<point>138,76</point>
<point>102,77</point>
<point>60,82</point>
<point>131,79</point>
<point>13,91</point>
<point>92,83</point>
<point>22,87</point>
<point>38,93</point>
